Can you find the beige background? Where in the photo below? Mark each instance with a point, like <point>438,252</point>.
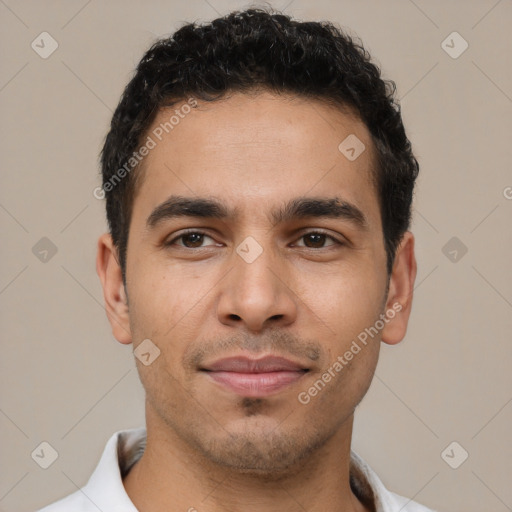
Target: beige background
<point>65,380</point>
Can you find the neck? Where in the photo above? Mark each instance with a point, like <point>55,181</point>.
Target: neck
<point>171,473</point>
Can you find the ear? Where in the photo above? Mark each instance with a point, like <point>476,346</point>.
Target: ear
<point>401,287</point>
<point>114,293</point>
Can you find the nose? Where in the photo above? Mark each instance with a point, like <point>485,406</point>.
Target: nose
<point>256,295</point>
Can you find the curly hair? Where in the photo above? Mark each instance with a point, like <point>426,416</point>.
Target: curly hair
<point>261,49</point>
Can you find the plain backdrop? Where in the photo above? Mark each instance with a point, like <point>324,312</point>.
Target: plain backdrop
<point>67,382</point>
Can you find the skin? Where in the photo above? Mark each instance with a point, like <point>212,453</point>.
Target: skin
<point>303,298</point>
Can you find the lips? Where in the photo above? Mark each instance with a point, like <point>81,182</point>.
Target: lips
<point>247,365</point>
<point>255,377</point>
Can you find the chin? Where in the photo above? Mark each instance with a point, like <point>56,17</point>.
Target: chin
<point>262,447</point>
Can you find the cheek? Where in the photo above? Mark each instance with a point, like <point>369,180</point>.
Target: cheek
<point>347,387</point>
<point>163,298</point>
<point>160,311</point>
<point>168,307</point>
<point>345,301</point>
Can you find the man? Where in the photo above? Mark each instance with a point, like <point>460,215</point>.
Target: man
<point>258,185</point>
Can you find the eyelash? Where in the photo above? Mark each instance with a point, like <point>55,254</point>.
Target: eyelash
<point>195,232</point>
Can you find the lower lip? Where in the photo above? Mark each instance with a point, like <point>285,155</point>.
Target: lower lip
<point>256,384</point>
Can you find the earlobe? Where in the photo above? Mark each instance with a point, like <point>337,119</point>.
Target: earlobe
<point>400,293</point>
<point>114,293</point>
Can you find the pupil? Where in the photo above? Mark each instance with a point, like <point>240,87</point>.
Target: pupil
<point>194,239</point>
<point>317,239</point>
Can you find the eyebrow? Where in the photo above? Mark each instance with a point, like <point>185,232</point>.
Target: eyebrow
<point>298,208</point>
<point>318,207</point>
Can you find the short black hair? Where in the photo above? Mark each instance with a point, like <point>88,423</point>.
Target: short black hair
<point>260,49</point>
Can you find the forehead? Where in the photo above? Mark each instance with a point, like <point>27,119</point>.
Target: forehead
<point>257,150</point>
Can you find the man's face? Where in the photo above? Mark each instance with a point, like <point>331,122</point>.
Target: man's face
<point>261,280</point>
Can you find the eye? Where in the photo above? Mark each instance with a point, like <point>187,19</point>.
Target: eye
<point>317,239</point>
<point>196,240</point>
<point>190,240</point>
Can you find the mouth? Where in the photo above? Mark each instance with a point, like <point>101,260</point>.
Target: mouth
<point>255,378</point>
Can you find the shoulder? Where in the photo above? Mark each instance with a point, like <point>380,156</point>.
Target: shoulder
<point>104,489</point>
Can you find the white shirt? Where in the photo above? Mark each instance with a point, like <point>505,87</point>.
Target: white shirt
<point>105,490</point>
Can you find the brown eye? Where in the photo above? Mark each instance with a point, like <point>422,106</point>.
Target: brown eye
<point>314,240</point>
<point>191,240</point>
<point>317,240</point>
